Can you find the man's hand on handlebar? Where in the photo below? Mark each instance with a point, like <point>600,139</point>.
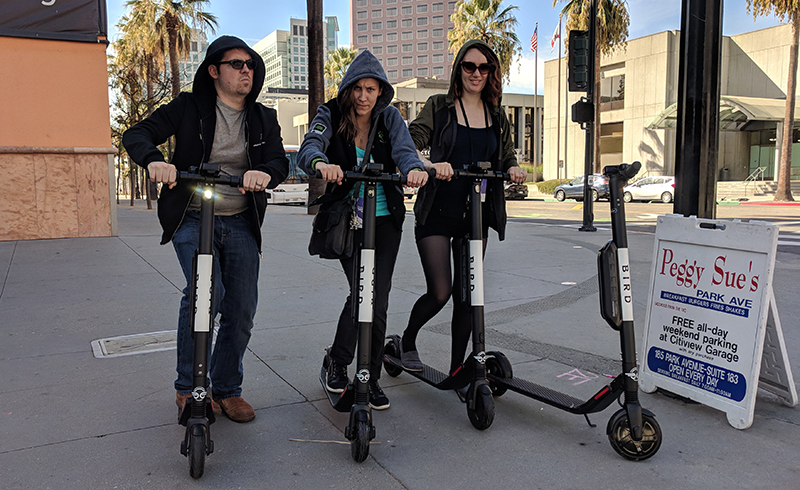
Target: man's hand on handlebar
<point>163,172</point>
<point>517,174</point>
<point>417,178</point>
<point>254,181</point>
<point>330,173</point>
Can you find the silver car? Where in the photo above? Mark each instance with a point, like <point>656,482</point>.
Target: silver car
<point>657,187</point>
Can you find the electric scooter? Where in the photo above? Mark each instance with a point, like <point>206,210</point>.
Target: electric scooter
<point>472,373</point>
<point>197,414</point>
<point>355,397</point>
<point>632,431</point>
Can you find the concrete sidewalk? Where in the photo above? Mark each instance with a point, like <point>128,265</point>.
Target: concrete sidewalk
<point>71,420</point>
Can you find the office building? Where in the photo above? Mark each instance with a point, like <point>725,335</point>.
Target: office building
<point>188,66</point>
<point>285,53</point>
<point>638,104</point>
<point>409,37</point>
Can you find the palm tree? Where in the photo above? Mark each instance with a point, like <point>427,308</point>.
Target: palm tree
<point>173,21</point>
<point>783,9</point>
<point>483,19</point>
<point>612,32</point>
<point>336,66</point>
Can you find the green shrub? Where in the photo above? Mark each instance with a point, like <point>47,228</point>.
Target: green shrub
<point>529,168</point>
<point>549,186</point>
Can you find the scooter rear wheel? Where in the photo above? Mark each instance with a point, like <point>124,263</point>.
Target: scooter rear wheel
<point>359,445</point>
<point>392,349</point>
<point>619,435</point>
<point>482,415</point>
<point>197,455</point>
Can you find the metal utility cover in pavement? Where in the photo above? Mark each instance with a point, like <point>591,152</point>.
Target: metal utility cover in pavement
<point>128,345</point>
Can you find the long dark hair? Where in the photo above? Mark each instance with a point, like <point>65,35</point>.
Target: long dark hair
<point>493,89</point>
<point>347,126</point>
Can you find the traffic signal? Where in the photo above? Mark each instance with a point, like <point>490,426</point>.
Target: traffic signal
<point>578,61</point>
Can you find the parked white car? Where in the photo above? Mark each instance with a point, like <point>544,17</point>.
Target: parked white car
<point>657,187</point>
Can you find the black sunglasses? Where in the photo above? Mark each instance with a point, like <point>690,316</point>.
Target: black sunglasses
<point>470,67</point>
<point>239,64</point>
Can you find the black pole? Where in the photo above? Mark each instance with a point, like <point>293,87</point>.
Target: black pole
<point>316,83</point>
<point>588,167</point>
<point>697,138</point>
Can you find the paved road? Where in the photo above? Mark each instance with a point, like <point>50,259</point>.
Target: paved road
<point>71,420</point>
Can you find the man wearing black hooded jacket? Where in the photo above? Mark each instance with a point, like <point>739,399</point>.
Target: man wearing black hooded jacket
<point>219,122</point>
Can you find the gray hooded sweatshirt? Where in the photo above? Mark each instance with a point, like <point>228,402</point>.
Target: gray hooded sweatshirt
<point>317,140</point>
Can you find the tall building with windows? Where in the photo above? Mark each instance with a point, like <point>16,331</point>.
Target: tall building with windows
<point>197,53</point>
<point>409,37</point>
<point>285,53</point>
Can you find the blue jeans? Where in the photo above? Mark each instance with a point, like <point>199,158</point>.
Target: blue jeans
<point>236,263</point>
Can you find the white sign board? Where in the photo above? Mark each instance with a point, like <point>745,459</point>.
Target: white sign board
<point>707,311</point>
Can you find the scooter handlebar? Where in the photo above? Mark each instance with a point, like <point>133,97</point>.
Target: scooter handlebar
<point>492,174</point>
<point>625,170</point>
<point>231,180</point>
<point>358,176</point>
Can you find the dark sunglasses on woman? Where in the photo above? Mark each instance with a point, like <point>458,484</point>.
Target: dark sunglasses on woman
<point>470,67</point>
<point>238,64</point>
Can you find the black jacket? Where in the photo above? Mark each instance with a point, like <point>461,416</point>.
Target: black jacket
<point>191,117</point>
<point>435,128</point>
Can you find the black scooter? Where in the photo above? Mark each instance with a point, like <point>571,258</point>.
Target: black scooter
<point>473,372</point>
<point>197,414</point>
<point>355,397</point>
<point>633,431</point>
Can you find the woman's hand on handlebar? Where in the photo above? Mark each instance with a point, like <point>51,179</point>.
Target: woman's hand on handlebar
<point>163,172</point>
<point>417,178</point>
<point>330,173</point>
<point>517,174</point>
<point>254,181</point>
<point>444,171</point>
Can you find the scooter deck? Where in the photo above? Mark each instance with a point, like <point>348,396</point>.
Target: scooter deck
<point>462,377</point>
<point>341,402</point>
<point>599,402</point>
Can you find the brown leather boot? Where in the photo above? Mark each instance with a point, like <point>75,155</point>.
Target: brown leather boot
<point>236,409</point>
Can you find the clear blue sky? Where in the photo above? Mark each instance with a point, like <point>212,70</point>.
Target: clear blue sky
<point>253,20</point>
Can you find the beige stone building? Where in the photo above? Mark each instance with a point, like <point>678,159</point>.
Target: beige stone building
<point>410,97</point>
<point>639,105</point>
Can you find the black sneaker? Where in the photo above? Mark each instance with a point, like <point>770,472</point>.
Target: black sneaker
<point>377,398</point>
<point>337,379</point>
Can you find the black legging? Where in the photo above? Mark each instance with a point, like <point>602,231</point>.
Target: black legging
<point>434,252</point>
<point>387,244</point>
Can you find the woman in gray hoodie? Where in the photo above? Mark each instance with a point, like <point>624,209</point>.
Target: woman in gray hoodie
<point>336,142</point>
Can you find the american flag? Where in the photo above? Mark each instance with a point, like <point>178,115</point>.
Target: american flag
<point>534,40</point>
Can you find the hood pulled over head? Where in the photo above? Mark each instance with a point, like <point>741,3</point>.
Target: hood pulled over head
<point>203,84</point>
<point>366,65</point>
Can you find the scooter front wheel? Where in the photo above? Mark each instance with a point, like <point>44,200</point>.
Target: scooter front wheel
<point>482,415</point>
<point>359,445</point>
<point>197,454</point>
<point>619,435</point>
<point>498,365</point>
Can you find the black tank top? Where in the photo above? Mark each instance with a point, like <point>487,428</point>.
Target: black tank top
<point>451,197</point>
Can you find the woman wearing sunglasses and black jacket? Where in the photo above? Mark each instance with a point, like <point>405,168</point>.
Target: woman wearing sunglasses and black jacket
<point>466,125</point>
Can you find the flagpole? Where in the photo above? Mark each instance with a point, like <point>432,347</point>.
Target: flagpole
<point>535,104</point>
<point>566,107</point>
<point>558,107</point>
